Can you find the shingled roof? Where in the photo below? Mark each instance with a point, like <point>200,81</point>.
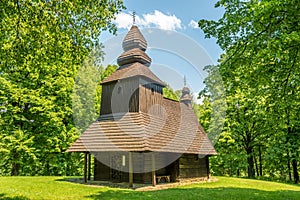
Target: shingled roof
<point>131,70</point>
<point>134,55</point>
<point>134,39</point>
<point>141,132</point>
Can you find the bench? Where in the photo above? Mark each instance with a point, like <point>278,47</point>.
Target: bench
<point>163,179</point>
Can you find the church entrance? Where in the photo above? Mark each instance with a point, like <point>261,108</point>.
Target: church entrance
<point>116,167</point>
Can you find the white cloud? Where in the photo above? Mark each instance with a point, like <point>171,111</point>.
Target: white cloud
<point>156,19</point>
<point>123,20</point>
<point>195,98</point>
<point>160,20</point>
<point>193,24</point>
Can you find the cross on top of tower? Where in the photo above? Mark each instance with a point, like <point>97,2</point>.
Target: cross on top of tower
<point>133,16</point>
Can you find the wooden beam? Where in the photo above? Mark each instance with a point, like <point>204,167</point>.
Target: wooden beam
<point>89,167</point>
<point>85,168</point>
<point>153,170</point>
<point>207,167</point>
<point>130,170</point>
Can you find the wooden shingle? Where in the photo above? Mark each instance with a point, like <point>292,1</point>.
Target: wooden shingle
<point>177,132</point>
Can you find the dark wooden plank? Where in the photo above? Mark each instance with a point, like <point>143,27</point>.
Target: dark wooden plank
<point>85,168</point>
<point>207,166</point>
<point>189,166</point>
<point>153,170</point>
<point>89,167</point>
<point>130,170</point>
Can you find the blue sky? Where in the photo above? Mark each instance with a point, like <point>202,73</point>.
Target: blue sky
<point>183,50</point>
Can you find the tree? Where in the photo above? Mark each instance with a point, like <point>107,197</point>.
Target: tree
<point>169,93</point>
<point>262,42</point>
<point>87,93</point>
<point>43,43</point>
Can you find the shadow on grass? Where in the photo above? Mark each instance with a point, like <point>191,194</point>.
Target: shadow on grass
<point>200,193</point>
<point>4,197</point>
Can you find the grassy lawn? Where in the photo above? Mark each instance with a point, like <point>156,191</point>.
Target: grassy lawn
<point>24,188</point>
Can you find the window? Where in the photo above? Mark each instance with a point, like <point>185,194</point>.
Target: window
<point>119,90</point>
<point>152,90</point>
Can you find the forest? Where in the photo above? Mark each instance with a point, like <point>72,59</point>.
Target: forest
<point>258,75</point>
<point>251,102</point>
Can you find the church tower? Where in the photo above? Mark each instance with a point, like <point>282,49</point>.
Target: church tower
<point>186,97</point>
<point>133,87</point>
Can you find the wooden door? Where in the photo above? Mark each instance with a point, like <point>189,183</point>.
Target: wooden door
<point>116,168</point>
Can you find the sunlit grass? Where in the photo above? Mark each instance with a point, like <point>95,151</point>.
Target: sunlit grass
<point>24,188</point>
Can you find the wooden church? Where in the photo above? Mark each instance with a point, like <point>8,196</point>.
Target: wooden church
<point>140,136</point>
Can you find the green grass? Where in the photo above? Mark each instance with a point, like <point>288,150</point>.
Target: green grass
<point>24,188</point>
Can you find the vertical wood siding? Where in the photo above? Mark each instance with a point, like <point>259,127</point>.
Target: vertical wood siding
<point>151,98</point>
<point>190,166</point>
<point>120,96</point>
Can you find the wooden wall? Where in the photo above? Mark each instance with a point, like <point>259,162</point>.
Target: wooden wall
<point>131,95</point>
<point>101,171</point>
<point>104,172</point>
<point>142,164</point>
<point>150,97</point>
<point>165,163</point>
<point>190,166</point>
<point>120,96</point>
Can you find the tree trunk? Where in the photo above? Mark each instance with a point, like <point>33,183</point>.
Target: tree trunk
<point>260,160</point>
<point>292,138</point>
<point>289,165</point>
<point>295,171</point>
<point>250,153</point>
<point>250,159</point>
<point>251,173</point>
<point>15,166</point>
<point>47,168</point>
<point>256,166</point>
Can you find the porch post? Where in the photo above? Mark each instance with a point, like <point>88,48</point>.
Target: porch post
<point>85,167</point>
<point>207,167</point>
<point>153,170</point>
<point>130,170</point>
<point>89,167</point>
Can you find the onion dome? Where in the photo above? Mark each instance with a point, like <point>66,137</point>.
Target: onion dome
<point>186,96</point>
<point>134,39</point>
<point>134,55</point>
<point>134,46</point>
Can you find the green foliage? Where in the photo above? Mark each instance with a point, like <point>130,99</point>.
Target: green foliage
<point>214,103</point>
<point>87,93</point>
<point>43,43</point>
<point>203,112</point>
<point>169,93</point>
<point>260,72</point>
<point>224,188</point>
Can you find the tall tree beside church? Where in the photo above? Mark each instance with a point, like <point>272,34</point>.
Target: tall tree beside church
<point>261,39</point>
<point>87,93</point>
<point>43,43</point>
